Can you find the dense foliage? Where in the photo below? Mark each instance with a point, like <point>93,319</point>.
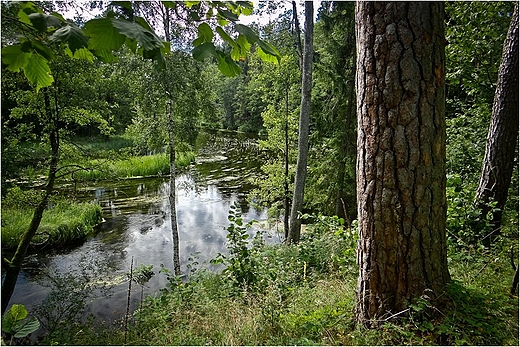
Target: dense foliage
<point>113,122</point>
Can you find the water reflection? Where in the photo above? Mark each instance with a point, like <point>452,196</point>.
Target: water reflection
<point>137,223</point>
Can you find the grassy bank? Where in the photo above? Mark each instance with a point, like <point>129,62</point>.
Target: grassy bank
<point>305,295</point>
<point>64,223</point>
<point>150,165</point>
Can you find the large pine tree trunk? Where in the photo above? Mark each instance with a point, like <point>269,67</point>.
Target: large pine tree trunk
<point>303,136</point>
<point>502,135</point>
<point>401,178</point>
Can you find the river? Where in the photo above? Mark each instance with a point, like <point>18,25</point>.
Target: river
<point>137,226</point>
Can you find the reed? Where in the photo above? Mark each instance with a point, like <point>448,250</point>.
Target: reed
<point>149,165</point>
<point>63,223</point>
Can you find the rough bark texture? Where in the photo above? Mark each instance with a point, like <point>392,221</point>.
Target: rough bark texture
<point>173,209</point>
<point>503,133</point>
<point>401,156</point>
<point>303,136</point>
<point>15,265</point>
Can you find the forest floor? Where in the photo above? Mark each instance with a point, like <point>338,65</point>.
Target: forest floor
<point>305,295</point>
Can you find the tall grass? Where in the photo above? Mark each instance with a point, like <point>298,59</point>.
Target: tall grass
<point>65,222</point>
<point>150,165</point>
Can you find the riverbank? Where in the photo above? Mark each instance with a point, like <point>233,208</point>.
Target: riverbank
<point>62,223</point>
<point>305,295</point>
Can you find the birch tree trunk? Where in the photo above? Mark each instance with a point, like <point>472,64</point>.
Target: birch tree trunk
<point>401,174</point>
<point>173,209</point>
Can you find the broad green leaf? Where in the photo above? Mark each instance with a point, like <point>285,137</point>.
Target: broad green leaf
<point>131,44</point>
<point>244,44</point>
<point>203,51</point>
<point>225,36</point>
<point>143,23</point>
<point>222,22</point>
<point>38,21</point>
<point>18,312</point>
<point>251,36</point>
<point>205,32</point>
<point>27,328</point>
<point>103,35</point>
<point>269,49</point>
<point>147,39</point>
<point>246,7</point>
<point>23,17</point>
<point>269,58</point>
<point>59,16</point>
<point>72,35</point>
<point>84,53</point>
<point>227,15</point>
<point>38,72</point>
<point>29,7</point>
<point>14,58</point>
<point>226,65</point>
<point>43,50</point>
<point>105,55</point>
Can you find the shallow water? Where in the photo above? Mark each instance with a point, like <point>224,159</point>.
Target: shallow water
<point>137,226</point>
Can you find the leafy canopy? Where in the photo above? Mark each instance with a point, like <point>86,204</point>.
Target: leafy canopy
<point>45,34</point>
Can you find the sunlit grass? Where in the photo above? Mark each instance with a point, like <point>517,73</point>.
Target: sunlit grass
<point>150,165</point>
<point>61,224</point>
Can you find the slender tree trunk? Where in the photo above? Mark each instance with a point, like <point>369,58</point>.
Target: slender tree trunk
<point>15,265</point>
<point>286,202</point>
<point>346,150</point>
<point>173,209</point>
<point>497,167</point>
<point>297,34</point>
<point>303,136</point>
<point>401,174</point>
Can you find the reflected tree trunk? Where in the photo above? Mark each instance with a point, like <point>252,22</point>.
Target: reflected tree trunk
<point>173,209</point>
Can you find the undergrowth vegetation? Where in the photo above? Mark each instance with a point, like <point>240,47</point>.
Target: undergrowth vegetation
<point>304,294</point>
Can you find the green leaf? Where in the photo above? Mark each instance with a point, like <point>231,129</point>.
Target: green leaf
<point>18,312</point>
<point>251,36</point>
<point>38,21</point>
<point>205,32</point>
<point>14,58</point>
<point>227,15</point>
<point>203,51</point>
<point>103,35</point>
<point>106,56</point>
<point>226,65</point>
<point>27,328</point>
<point>43,50</point>
<point>147,39</point>
<point>224,35</point>
<point>83,53</point>
<point>71,35</point>
<point>268,52</point>
<point>38,72</point>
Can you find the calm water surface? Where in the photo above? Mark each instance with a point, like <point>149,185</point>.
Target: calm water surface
<point>137,225</point>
